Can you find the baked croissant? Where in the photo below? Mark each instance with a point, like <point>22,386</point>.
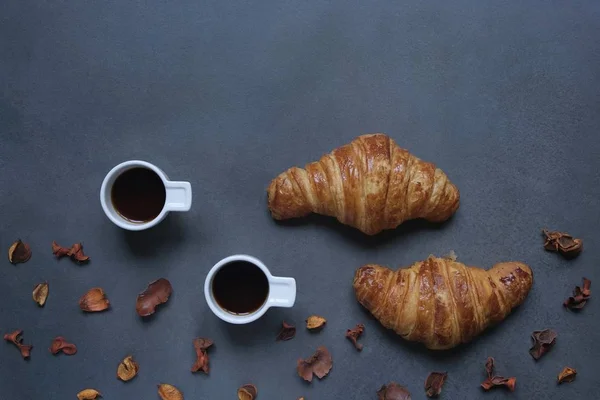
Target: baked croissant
<point>441,302</point>
<point>370,184</point>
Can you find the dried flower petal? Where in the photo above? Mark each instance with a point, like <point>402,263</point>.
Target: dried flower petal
<point>88,394</point>
<point>94,300</point>
<point>201,345</point>
<point>489,367</point>
<point>287,332</point>
<point>542,342</point>
<point>76,253</point>
<point>247,392</point>
<point>434,383</point>
<point>127,369</point>
<point>19,252</point>
<point>315,322</point>
<point>580,296</point>
<point>563,243</point>
<point>60,344</point>
<point>58,250</point>
<point>393,391</point>
<point>319,364</point>
<point>169,392</point>
<point>567,375</point>
<point>156,293</point>
<point>40,293</point>
<point>16,339</point>
<point>354,334</point>
<point>494,381</point>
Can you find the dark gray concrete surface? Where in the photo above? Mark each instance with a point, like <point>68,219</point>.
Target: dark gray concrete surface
<point>504,96</point>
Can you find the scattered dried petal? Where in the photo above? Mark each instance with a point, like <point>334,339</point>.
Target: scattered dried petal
<point>567,375</point>
<point>94,300</point>
<point>76,253</point>
<point>434,383</point>
<point>489,367</point>
<point>16,339</point>
<point>542,342</point>
<point>169,392</point>
<point>19,252</point>
<point>315,323</point>
<point>319,364</point>
<point>493,381</point>
<point>40,293</point>
<point>127,369</point>
<point>287,332</point>
<point>393,391</point>
<point>58,250</point>
<point>580,296</point>
<point>201,345</point>
<point>562,242</point>
<point>60,344</point>
<point>156,293</point>
<point>354,334</point>
<point>247,392</point>
<point>88,394</point>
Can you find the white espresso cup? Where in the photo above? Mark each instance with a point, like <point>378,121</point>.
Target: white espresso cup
<point>281,291</point>
<point>178,196</point>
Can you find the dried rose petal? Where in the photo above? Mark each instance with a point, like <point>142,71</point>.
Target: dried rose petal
<point>542,342</point>
<point>60,344</point>
<point>563,243</point>
<point>315,323</point>
<point>319,364</point>
<point>19,252</point>
<point>434,383</point>
<point>156,293</point>
<point>580,296</point>
<point>40,293</point>
<point>489,367</point>
<point>494,381</point>
<point>247,392</point>
<point>169,392</point>
<point>94,301</point>
<point>88,394</point>
<point>127,369</point>
<point>567,375</point>
<point>58,250</point>
<point>393,391</point>
<point>201,345</point>
<point>287,332</point>
<point>76,253</point>
<point>354,334</point>
<point>16,339</point>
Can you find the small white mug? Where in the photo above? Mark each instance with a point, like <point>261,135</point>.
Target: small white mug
<point>282,291</point>
<point>178,196</point>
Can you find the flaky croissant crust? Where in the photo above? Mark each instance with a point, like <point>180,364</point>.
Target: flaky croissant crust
<point>441,302</point>
<point>371,184</point>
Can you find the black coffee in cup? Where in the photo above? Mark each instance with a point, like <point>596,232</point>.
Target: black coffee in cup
<point>138,194</point>
<point>240,287</point>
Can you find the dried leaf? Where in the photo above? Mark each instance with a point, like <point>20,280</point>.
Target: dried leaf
<point>19,252</point>
<point>354,334</point>
<point>60,344</point>
<point>127,369</point>
<point>16,339</point>
<point>201,345</point>
<point>567,375</point>
<point>562,242</point>
<point>156,293</point>
<point>169,392</point>
<point>88,394</point>
<point>247,392</point>
<point>40,293</point>
<point>318,364</point>
<point>434,383</point>
<point>393,391</point>
<point>287,332</point>
<point>542,342</point>
<point>494,381</point>
<point>580,296</point>
<point>94,301</point>
<point>315,323</point>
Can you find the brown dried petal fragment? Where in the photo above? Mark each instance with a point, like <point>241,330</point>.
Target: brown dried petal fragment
<point>16,339</point>
<point>315,323</point>
<point>319,364</point>
<point>76,253</point>
<point>567,375</point>
<point>19,252</point>
<point>58,250</point>
<point>169,392</point>
<point>393,391</point>
<point>562,242</point>
<point>247,392</point>
<point>288,331</point>
<point>434,383</point>
<point>493,381</point>
<point>60,344</point>
<point>201,345</point>
<point>127,369</point>
<point>542,342</point>
<point>580,296</point>
<point>354,334</point>
<point>156,293</point>
<point>40,293</point>
<point>88,394</point>
<point>94,301</point>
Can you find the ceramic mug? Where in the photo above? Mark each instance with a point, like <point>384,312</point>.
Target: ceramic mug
<point>178,196</point>
<point>282,291</point>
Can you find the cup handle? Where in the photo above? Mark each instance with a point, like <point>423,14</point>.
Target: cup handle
<point>178,196</point>
<point>282,292</point>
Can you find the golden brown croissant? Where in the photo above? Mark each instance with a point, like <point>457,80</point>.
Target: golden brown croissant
<point>370,184</point>
<point>441,302</point>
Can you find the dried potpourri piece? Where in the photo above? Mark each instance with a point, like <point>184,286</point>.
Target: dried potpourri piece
<point>393,391</point>
<point>318,364</point>
<point>156,293</point>
<point>19,252</point>
<point>567,375</point>
<point>169,392</point>
<point>247,392</point>
<point>40,293</point>
<point>542,342</point>
<point>353,335</point>
<point>60,344</point>
<point>494,381</point>
<point>563,243</point>
<point>315,323</point>
<point>201,345</point>
<point>94,301</point>
<point>16,339</point>
<point>434,383</point>
<point>288,331</point>
<point>127,369</point>
<point>75,252</point>
<point>88,394</point>
<point>580,296</point>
